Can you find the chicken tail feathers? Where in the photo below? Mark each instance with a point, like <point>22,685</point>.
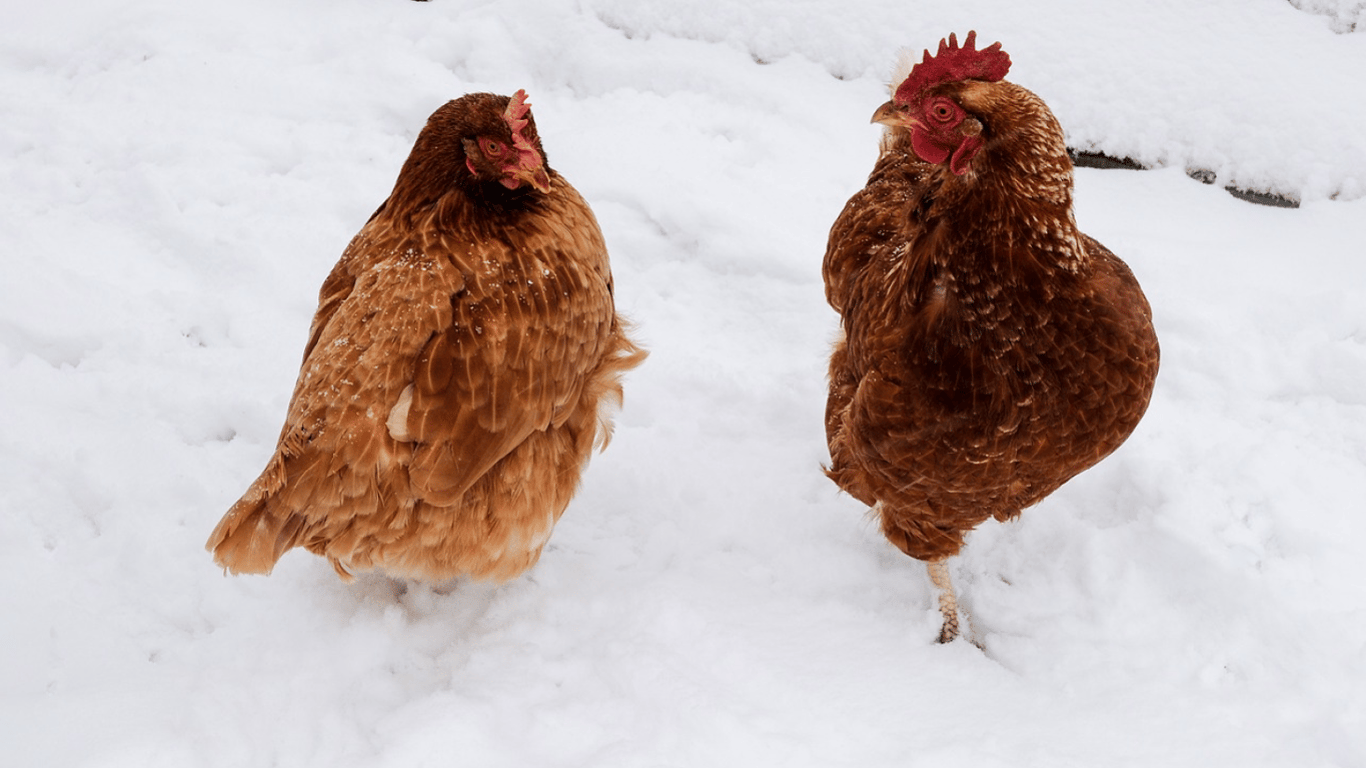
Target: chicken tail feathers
<point>252,536</point>
<point>607,389</point>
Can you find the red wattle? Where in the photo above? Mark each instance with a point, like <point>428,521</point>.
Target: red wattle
<point>964,154</point>
<point>927,151</point>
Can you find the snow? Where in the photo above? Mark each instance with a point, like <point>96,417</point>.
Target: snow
<point>179,177</point>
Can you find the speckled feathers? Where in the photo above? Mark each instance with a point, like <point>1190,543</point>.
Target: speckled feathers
<point>990,350</point>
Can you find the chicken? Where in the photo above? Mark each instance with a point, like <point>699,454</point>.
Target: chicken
<point>989,351</point>
<point>464,361</point>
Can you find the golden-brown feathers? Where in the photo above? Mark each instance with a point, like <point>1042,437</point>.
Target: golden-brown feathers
<point>464,351</point>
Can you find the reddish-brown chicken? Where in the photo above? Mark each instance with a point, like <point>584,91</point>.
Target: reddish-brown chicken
<point>464,360</point>
<point>990,350</point>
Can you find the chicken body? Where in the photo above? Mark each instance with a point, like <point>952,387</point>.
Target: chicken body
<point>990,350</point>
<point>463,362</point>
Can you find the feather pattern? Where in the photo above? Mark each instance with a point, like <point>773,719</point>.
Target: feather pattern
<point>453,385</point>
<point>990,351</point>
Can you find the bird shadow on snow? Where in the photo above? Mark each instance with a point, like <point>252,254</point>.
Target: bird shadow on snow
<point>413,619</point>
<point>459,602</point>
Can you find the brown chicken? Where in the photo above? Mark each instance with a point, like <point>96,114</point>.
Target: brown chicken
<point>464,361</point>
<point>990,350</point>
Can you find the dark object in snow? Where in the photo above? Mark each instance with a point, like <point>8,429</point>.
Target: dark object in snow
<point>1259,198</point>
<point>1202,175</point>
<point>1344,18</point>
<point>1083,159</point>
<point>990,350</point>
<point>1263,198</point>
<point>463,363</point>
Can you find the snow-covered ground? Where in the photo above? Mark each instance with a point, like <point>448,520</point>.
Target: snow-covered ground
<point>176,178</point>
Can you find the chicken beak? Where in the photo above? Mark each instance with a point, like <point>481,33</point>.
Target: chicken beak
<point>885,114</point>
<point>535,175</point>
<point>888,114</point>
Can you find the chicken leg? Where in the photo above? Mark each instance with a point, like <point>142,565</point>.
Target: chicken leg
<point>948,601</point>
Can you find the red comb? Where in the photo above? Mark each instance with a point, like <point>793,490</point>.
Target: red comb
<point>515,114</point>
<point>516,117</point>
<point>952,64</point>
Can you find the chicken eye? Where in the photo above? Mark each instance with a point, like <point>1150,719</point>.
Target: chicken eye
<point>941,111</point>
<point>492,148</point>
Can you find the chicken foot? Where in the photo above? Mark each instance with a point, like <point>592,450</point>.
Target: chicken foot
<point>948,601</point>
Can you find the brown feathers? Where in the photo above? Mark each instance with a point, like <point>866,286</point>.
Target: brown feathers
<point>990,350</point>
<point>465,352</point>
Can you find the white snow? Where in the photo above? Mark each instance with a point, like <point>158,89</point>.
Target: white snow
<point>178,177</point>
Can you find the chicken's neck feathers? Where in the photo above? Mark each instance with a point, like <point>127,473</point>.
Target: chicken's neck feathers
<point>984,254</point>
<point>1009,218</point>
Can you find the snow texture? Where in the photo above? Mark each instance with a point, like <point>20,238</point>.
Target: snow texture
<point>178,178</point>
<point>1345,15</point>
